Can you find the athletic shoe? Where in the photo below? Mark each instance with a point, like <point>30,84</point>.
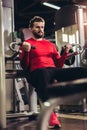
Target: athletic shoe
<point>54,122</point>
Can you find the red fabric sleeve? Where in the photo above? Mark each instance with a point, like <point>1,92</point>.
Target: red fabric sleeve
<point>58,59</point>
<point>24,59</point>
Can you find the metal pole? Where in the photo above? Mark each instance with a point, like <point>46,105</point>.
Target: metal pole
<point>82,41</point>
<point>2,72</point>
<point>80,30</point>
<point>81,26</point>
<point>32,99</point>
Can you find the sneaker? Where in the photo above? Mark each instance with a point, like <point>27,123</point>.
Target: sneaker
<point>54,122</point>
<point>54,126</point>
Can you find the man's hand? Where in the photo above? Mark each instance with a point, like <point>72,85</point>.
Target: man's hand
<point>26,46</point>
<point>68,47</point>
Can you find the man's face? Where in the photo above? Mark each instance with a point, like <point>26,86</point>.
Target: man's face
<point>38,29</point>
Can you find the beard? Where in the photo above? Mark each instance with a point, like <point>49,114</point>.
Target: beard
<point>38,34</point>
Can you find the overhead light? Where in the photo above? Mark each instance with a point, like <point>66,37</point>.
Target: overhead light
<point>51,5</point>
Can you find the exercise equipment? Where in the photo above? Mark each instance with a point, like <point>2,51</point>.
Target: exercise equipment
<point>82,51</point>
<point>61,93</point>
<point>84,57</point>
<point>25,93</point>
<point>13,44</point>
<point>70,60</point>
<point>20,73</point>
<point>71,56</point>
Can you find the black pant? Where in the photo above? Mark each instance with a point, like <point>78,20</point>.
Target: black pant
<point>40,78</point>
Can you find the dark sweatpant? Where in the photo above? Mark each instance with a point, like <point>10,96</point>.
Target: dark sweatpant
<point>40,78</point>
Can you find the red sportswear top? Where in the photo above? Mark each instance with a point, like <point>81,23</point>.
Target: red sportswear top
<point>45,55</point>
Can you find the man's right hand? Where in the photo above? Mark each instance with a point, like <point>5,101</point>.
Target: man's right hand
<point>26,46</point>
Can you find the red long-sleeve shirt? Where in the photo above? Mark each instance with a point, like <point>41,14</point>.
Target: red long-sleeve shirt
<point>45,55</point>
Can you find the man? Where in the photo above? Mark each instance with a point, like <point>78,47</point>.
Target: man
<point>44,63</point>
<point>43,59</point>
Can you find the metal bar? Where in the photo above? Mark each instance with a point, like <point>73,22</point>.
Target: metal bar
<point>2,73</point>
<point>81,38</point>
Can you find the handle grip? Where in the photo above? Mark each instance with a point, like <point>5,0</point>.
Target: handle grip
<point>20,44</point>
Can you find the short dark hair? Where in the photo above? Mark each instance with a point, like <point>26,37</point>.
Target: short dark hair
<point>35,19</point>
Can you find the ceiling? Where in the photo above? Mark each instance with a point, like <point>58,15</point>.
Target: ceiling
<point>24,10</point>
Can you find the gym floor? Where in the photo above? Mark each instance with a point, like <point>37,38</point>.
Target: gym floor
<point>68,121</point>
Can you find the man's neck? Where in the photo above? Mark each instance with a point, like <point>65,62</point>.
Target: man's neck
<point>38,39</point>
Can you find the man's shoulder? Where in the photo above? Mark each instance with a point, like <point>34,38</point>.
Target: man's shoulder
<point>47,40</point>
<point>28,40</point>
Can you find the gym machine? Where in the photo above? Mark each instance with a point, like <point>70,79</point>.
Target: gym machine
<point>24,93</point>
<point>19,73</point>
<point>81,106</point>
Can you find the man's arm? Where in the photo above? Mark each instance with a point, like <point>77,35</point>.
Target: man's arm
<point>24,56</point>
<point>60,60</point>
